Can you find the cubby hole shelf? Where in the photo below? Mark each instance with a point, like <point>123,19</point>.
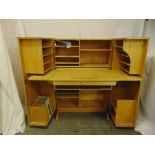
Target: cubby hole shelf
<point>67,65</point>
<point>74,43</point>
<point>69,94</point>
<point>47,54</point>
<point>118,46</point>
<point>125,70</point>
<point>96,44</point>
<point>66,56</point>
<point>48,69</point>
<point>47,43</point>
<point>91,104</point>
<point>61,46</point>
<point>96,65</point>
<point>68,105</point>
<point>47,62</point>
<point>66,96</point>
<point>61,63</point>
<point>124,60</point>
<point>95,49</point>
<point>47,46</point>
<point>123,55</point>
<point>64,104</point>
<point>66,61</point>
<point>119,43</point>
<point>125,63</point>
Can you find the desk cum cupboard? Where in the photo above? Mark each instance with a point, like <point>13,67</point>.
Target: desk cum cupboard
<point>93,75</point>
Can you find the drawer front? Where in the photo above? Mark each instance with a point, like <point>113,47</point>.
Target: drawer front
<point>38,116</point>
<point>86,83</point>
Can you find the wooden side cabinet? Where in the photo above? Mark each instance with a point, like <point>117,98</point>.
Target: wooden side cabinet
<point>90,75</point>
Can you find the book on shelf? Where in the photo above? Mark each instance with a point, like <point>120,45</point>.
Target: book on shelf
<point>43,101</point>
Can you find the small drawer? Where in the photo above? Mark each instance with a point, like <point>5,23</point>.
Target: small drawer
<point>85,83</point>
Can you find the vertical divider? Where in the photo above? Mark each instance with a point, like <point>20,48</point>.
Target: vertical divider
<point>79,100</point>
<point>53,54</point>
<point>111,53</point>
<point>79,52</point>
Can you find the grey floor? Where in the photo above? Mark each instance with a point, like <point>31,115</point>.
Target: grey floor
<point>80,124</point>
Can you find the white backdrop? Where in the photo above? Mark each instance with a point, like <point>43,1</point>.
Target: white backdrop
<point>66,29</point>
<point>84,28</point>
<point>12,115</point>
<point>146,116</point>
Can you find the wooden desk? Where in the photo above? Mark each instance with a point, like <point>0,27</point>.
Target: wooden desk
<point>93,75</point>
<point>94,90</point>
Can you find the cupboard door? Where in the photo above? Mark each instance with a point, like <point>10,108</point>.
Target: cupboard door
<point>125,113</point>
<point>136,50</point>
<point>32,56</point>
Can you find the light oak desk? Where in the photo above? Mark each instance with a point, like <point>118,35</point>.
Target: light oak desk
<point>93,86</point>
<point>93,75</point>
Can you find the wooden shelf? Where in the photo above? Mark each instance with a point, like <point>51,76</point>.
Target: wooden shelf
<point>118,46</point>
<point>96,50</point>
<point>46,70</point>
<point>125,63</point>
<point>57,63</point>
<point>66,56</point>
<point>85,106</point>
<point>48,46</point>
<point>84,88</point>
<point>124,55</point>
<point>44,55</point>
<point>67,96</point>
<point>60,66</point>
<point>46,62</point>
<point>65,47</point>
<point>69,104</point>
<point>96,65</point>
<point>96,44</point>
<point>127,71</point>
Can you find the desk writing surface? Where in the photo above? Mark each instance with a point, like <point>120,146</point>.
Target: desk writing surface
<point>84,74</point>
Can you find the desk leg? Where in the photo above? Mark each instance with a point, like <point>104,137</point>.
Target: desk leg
<point>57,115</point>
<point>107,105</point>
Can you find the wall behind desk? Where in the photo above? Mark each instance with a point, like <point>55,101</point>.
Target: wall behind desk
<point>62,28</point>
<point>88,28</point>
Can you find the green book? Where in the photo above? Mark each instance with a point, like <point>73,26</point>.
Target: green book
<point>46,100</point>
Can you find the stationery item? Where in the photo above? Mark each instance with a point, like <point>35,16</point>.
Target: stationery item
<point>67,44</point>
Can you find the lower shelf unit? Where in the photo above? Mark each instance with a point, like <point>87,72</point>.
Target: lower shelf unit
<point>81,98</point>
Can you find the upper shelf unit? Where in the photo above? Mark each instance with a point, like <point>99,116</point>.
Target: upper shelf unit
<point>41,55</point>
<point>129,55</point>
<point>37,55</point>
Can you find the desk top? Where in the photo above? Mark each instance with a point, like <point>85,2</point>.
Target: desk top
<point>84,74</point>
